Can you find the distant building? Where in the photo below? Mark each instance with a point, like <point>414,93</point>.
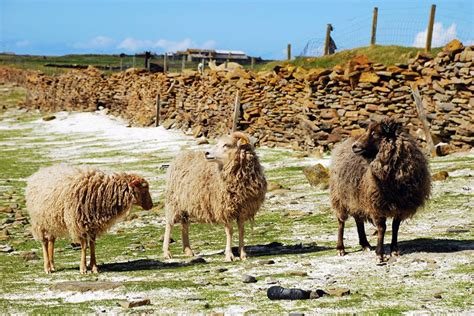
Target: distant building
<point>194,54</point>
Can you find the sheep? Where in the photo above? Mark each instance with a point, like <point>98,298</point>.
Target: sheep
<point>377,175</point>
<point>82,203</point>
<point>218,187</point>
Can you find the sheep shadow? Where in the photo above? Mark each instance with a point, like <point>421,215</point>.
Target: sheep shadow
<point>432,245</point>
<point>147,264</point>
<point>277,248</point>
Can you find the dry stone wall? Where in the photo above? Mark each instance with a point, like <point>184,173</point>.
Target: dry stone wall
<point>289,106</point>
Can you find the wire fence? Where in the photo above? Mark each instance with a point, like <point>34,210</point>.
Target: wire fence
<point>404,27</point>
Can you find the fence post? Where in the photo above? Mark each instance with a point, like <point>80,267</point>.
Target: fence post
<point>288,51</point>
<point>183,63</point>
<point>374,26</point>
<point>429,33</point>
<point>252,62</point>
<point>328,39</point>
<point>236,111</point>
<point>158,110</point>
<point>133,61</point>
<point>422,116</point>
<point>165,62</point>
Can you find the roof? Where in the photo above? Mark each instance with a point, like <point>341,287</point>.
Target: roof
<point>232,52</point>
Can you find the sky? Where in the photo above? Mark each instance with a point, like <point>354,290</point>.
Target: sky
<point>259,28</point>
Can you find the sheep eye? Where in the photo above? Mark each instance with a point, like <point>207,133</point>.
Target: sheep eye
<point>144,185</point>
<point>225,146</point>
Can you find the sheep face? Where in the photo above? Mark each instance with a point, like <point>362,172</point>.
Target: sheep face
<point>227,147</point>
<point>369,143</point>
<point>141,193</point>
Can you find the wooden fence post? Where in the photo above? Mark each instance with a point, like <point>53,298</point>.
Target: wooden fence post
<point>288,51</point>
<point>183,63</point>
<point>422,116</point>
<point>429,33</point>
<point>158,110</point>
<point>374,26</point>
<point>165,62</point>
<point>252,62</point>
<point>236,112</point>
<point>328,39</point>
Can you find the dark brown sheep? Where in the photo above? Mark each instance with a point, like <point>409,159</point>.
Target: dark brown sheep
<point>379,174</point>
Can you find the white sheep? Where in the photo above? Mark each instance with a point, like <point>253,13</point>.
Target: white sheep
<point>82,203</point>
<point>217,187</point>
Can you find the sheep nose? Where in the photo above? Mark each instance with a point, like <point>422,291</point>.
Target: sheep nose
<point>207,153</point>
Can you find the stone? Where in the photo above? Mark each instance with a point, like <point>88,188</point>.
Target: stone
<point>272,186</point>
<point>29,255</point>
<point>317,175</point>
<point>49,118</point>
<point>6,248</point>
<point>202,141</point>
<point>339,292</point>
<point>369,77</point>
<point>440,176</point>
<point>135,303</point>
<point>453,46</point>
<point>249,279</point>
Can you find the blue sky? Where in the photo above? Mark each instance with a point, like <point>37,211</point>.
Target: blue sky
<point>260,28</point>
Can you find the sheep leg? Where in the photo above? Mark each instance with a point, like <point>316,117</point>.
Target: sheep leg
<point>83,266</point>
<point>229,256</point>
<point>340,238</point>
<point>47,267</point>
<point>185,238</point>
<point>241,225</point>
<point>394,245</point>
<point>166,241</point>
<point>51,253</point>
<point>381,227</point>
<point>93,262</point>
<point>362,236</point>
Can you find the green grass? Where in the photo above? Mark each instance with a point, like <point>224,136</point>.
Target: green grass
<point>387,55</point>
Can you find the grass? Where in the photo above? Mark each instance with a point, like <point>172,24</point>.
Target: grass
<point>299,215</point>
<point>387,55</point>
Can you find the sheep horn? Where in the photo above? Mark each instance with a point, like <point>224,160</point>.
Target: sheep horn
<point>243,139</point>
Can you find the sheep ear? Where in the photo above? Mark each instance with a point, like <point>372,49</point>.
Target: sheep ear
<point>242,139</point>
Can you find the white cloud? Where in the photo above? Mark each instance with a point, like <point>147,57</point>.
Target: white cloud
<point>134,45</point>
<point>98,42</point>
<point>441,36</point>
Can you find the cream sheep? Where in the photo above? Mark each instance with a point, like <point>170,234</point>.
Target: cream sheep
<point>217,187</point>
<point>82,203</point>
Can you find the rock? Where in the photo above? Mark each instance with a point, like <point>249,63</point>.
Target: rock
<point>249,279</point>
<point>49,118</point>
<point>135,303</point>
<point>29,255</point>
<point>369,77</point>
<point>220,270</point>
<point>6,209</point>
<point>197,260</point>
<point>162,238</point>
<point>443,149</point>
<point>453,46</point>
<point>336,291</point>
<point>317,175</point>
<point>4,235</point>
<point>6,248</point>
<point>272,186</point>
<point>202,141</point>
<point>440,176</point>
<point>79,286</point>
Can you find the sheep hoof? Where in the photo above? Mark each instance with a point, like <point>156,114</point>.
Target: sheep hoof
<point>188,252</point>
<point>83,270</point>
<point>229,257</point>
<point>367,248</point>
<point>95,269</point>
<point>47,271</point>
<point>382,259</point>
<point>395,253</point>
<point>167,255</point>
<point>342,252</point>
<point>243,256</point>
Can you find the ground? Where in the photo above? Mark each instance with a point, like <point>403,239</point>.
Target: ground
<point>291,243</point>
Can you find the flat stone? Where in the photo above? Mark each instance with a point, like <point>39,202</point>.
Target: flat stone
<point>317,175</point>
<point>49,118</point>
<point>336,291</point>
<point>135,303</point>
<point>6,248</point>
<point>249,279</point>
<point>29,255</point>
<point>440,176</point>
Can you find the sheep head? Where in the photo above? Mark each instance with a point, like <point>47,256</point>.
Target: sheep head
<point>141,193</point>
<point>227,147</point>
<point>378,135</point>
